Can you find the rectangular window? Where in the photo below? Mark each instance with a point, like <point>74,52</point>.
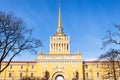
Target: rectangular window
<point>21,66</point>
<point>32,66</point>
<point>20,74</point>
<point>10,66</point>
<point>108,66</point>
<point>32,74</point>
<point>10,75</point>
<point>98,74</point>
<point>97,66</point>
<point>108,74</point>
<point>86,66</point>
<point>87,75</point>
<point>119,66</point>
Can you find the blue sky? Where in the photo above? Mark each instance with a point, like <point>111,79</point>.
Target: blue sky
<point>85,21</point>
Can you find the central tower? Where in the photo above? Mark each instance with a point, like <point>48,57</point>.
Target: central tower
<point>60,64</point>
<point>59,43</point>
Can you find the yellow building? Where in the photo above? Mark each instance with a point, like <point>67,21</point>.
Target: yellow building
<point>58,64</point>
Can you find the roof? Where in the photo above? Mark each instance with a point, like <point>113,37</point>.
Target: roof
<point>20,62</point>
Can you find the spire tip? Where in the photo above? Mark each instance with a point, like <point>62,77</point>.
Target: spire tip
<point>59,20</point>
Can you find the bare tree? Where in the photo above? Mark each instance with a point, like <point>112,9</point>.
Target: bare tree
<point>15,37</point>
<point>111,66</point>
<point>113,55</point>
<point>112,37</point>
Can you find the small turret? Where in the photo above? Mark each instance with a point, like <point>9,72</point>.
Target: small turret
<point>78,52</point>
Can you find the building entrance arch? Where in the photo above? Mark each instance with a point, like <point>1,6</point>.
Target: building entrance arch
<point>59,75</point>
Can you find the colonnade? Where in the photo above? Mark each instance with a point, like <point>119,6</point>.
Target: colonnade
<point>59,46</point>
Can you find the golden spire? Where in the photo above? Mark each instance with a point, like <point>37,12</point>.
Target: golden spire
<point>59,29</point>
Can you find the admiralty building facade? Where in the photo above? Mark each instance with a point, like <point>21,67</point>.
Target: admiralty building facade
<point>58,64</point>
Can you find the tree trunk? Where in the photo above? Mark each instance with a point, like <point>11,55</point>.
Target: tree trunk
<point>114,71</point>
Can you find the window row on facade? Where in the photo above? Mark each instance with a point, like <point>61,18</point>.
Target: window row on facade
<point>87,74</point>
<point>87,66</point>
<point>20,75</point>
<point>22,66</point>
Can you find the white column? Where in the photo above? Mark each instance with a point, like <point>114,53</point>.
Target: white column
<point>60,46</point>
<point>51,46</point>
<point>65,46</point>
<point>56,46</point>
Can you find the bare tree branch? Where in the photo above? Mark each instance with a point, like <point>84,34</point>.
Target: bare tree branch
<point>112,38</point>
<point>14,38</point>
<point>113,55</point>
